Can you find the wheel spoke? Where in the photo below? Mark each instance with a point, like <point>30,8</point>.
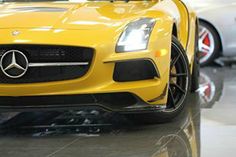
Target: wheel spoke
<point>178,87</point>
<point>203,35</point>
<point>203,32</point>
<point>173,61</point>
<point>172,99</point>
<point>204,47</point>
<point>178,75</point>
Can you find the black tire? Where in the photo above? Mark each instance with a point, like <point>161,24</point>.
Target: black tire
<point>196,66</point>
<point>171,110</point>
<point>195,76</point>
<point>217,44</point>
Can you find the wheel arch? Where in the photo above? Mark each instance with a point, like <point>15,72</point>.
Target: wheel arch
<point>174,30</point>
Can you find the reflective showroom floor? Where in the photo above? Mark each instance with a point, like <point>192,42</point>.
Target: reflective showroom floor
<point>206,128</point>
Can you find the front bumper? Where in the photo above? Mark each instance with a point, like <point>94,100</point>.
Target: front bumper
<point>99,78</point>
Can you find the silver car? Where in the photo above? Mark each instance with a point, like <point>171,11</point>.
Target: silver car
<point>217,30</point>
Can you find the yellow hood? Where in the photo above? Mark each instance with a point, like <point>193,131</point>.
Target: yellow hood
<point>86,15</point>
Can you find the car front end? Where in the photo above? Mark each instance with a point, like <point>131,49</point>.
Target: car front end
<point>76,61</point>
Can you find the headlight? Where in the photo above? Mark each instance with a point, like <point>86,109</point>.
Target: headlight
<point>136,35</point>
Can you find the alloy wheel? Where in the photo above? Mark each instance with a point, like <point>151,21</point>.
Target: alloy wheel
<point>179,79</point>
<point>206,44</point>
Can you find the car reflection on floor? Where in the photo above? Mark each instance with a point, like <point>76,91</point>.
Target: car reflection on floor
<point>211,86</point>
<point>94,132</point>
<point>218,116</point>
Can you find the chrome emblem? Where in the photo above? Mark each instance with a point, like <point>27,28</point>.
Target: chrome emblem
<point>14,64</point>
<point>15,33</point>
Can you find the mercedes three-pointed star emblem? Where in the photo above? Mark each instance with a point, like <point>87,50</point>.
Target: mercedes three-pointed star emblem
<point>14,64</point>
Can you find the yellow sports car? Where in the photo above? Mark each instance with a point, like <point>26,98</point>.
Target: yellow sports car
<point>127,56</point>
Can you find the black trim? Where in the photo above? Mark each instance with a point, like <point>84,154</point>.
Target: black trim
<point>112,102</point>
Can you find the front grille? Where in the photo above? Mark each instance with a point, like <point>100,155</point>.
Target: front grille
<point>50,54</point>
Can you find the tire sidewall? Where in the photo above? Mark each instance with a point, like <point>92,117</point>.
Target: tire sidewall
<point>195,66</point>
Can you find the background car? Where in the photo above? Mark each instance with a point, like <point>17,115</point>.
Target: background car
<point>217,28</point>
